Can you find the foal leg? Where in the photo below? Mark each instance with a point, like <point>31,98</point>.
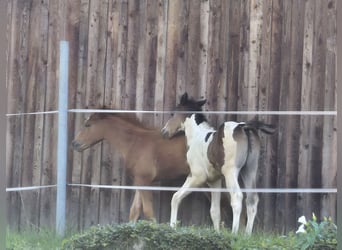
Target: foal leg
<point>191,181</point>
<point>135,207</point>
<point>147,202</point>
<point>248,175</point>
<point>236,196</point>
<point>215,209</point>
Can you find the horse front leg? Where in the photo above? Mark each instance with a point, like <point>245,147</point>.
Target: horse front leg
<point>191,181</point>
<point>135,210</point>
<point>215,209</point>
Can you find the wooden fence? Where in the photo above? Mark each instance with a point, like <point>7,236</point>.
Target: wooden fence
<point>245,55</point>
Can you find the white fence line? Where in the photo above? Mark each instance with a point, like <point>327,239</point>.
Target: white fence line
<point>34,113</point>
<point>330,113</point>
<point>314,113</point>
<point>164,188</point>
<point>15,189</point>
<point>258,190</point>
<point>245,190</point>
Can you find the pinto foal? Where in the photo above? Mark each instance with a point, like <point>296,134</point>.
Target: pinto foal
<point>230,151</point>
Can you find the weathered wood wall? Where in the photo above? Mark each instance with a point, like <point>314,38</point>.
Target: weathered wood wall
<point>143,54</point>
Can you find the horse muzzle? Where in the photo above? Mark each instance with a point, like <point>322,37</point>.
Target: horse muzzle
<point>76,146</point>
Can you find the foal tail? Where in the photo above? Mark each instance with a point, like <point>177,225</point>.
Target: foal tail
<point>258,125</point>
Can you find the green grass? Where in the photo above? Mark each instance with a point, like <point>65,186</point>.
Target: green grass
<point>161,236</point>
<point>33,239</point>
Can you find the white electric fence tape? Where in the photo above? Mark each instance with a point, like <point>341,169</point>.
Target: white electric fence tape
<point>28,188</point>
<point>34,113</point>
<point>154,188</point>
<point>247,190</point>
<point>206,112</point>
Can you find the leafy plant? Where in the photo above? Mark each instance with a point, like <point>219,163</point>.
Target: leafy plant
<point>315,235</point>
<point>147,235</point>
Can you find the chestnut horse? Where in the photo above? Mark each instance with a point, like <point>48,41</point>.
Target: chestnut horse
<point>147,156</point>
<point>230,151</point>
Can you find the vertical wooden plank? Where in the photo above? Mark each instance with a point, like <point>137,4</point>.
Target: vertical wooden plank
<point>76,197</point>
<point>119,176</point>
<point>140,57</point>
<point>215,67</point>
<point>122,56</point>
<point>304,168</point>
<point>182,42</point>
<point>106,212</point>
<point>94,99</point>
<point>102,165</point>
<point>192,74</point>
<point>170,96</point>
<point>293,103</point>
<point>112,52</point>
<point>162,17</point>
<point>49,171</point>
<point>203,60</point>
<point>283,105</point>
<point>150,59</point>
<point>253,76</point>
<point>265,176</point>
<point>30,174</point>
<point>73,36</point>
<point>243,57</point>
<point>17,71</point>
<point>119,32</point>
<point>163,6</point>
<point>329,150</point>
<point>41,78</point>
<point>150,81</point>
<point>318,76</point>
<point>133,39</point>
<point>222,93</point>
<point>233,58</point>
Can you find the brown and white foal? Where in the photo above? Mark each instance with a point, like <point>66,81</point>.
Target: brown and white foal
<point>230,151</point>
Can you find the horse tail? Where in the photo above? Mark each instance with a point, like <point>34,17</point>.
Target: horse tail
<point>258,125</point>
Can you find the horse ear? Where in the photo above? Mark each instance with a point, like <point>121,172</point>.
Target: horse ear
<point>201,102</point>
<point>184,98</point>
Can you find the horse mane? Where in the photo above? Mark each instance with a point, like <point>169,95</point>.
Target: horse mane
<point>199,118</point>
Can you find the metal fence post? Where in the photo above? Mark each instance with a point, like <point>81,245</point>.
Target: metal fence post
<point>62,137</point>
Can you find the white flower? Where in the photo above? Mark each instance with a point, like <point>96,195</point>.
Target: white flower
<point>301,228</point>
<point>302,219</point>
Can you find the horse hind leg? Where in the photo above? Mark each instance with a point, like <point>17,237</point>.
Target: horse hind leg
<point>147,202</point>
<point>136,206</point>
<point>236,196</point>
<point>248,174</point>
<point>215,209</point>
<point>252,206</point>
